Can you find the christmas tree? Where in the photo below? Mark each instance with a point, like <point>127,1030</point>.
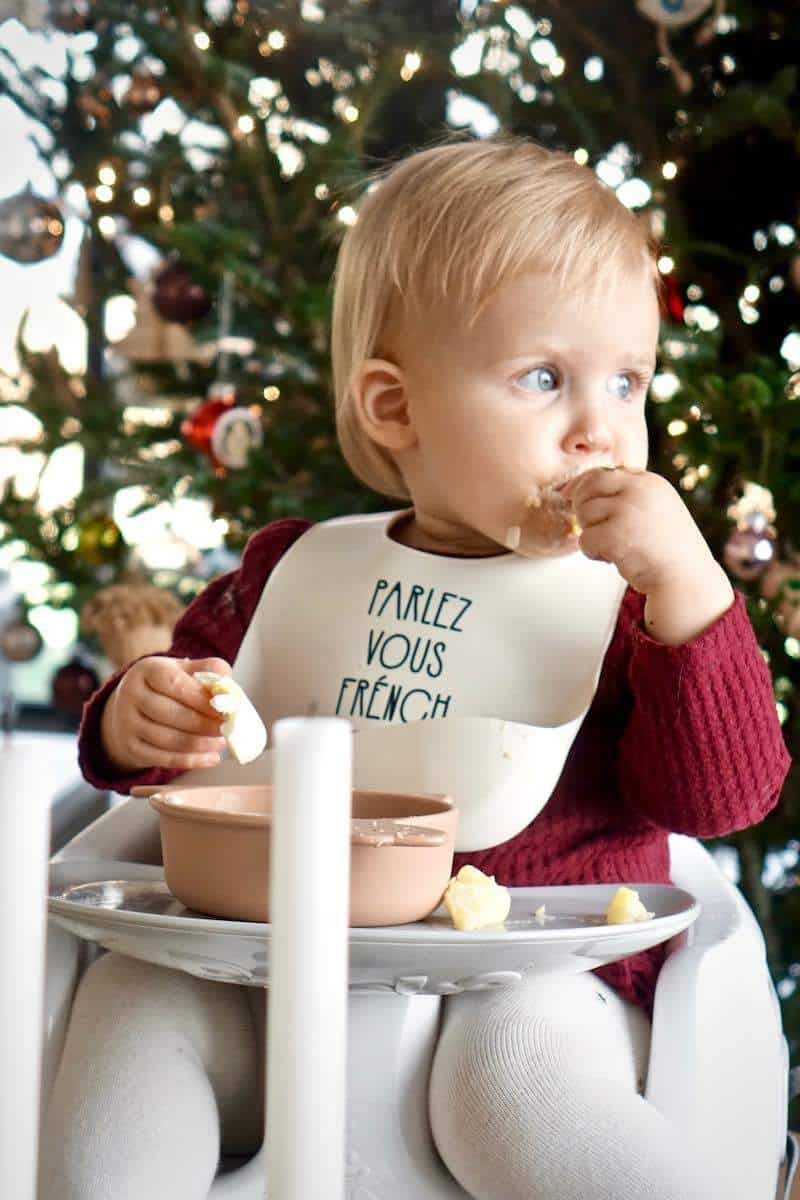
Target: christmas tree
<point>214,153</point>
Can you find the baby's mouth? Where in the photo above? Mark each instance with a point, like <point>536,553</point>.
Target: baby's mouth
<point>549,520</point>
<point>559,487</point>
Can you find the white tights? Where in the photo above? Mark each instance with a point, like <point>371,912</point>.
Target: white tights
<point>534,1095</point>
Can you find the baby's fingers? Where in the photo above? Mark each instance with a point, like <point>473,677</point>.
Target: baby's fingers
<point>161,747</point>
<point>173,714</point>
<point>218,665</point>
<point>174,679</point>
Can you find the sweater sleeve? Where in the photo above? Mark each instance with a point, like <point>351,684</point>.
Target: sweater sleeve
<point>702,752</point>
<point>213,626</point>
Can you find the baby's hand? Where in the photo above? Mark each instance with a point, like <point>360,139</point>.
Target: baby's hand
<point>161,716</point>
<point>636,520</point>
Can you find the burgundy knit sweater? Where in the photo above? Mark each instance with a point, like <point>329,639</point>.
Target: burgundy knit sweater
<point>680,739</point>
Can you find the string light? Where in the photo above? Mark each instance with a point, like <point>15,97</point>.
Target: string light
<point>752,293</point>
<point>581,156</point>
<point>271,394</point>
<point>347,215</point>
<point>543,52</point>
<point>748,314</point>
<point>702,316</point>
<point>665,264</point>
<point>521,22</point>
<point>411,64</point>
<point>107,174</point>
<point>669,170</point>
<point>108,227</point>
<point>246,123</point>
<point>784,234</point>
<point>664,386</point>
<point>104,194</point>
<point>276,39</point>
<point>676,428</point>
<point>202,40</point>
<point>166,213</point>
<point>142,196</point>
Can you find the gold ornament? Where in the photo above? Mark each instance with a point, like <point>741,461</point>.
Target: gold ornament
<point>100,541</point>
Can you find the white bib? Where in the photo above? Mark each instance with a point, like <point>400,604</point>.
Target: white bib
<point>363,627</point>
<point>506,651</point>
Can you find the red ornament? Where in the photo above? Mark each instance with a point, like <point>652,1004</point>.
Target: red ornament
<point>671,301</point>
<point>178,297</point>
<point>198,426</point>
<point>72,686</point>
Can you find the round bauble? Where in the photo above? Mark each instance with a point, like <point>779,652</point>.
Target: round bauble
<point>235,434</point>
<point>673,13</point>
<point>100,541</point>
<point>31,227</point>
<point>72,685</point>
<point>20,641</point>
<point>748,553</point>
<point>177,296</point>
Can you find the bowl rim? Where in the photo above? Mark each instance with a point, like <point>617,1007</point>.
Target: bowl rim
<point>163,803</point>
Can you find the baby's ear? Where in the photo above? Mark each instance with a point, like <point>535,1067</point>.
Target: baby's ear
<point>381,401</point>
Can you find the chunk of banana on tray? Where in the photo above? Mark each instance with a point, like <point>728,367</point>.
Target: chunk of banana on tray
<point>626,908</point>
<point>475,901</point>
<point>242,728</point>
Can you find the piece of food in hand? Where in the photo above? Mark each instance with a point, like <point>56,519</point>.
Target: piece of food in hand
<point>243,728</point>
<point>474,900</point>
<point>626,908</point>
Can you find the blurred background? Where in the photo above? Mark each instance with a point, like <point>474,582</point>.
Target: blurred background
<point>174,182</point>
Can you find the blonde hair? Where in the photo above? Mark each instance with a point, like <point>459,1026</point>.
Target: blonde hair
<point>454,222</point>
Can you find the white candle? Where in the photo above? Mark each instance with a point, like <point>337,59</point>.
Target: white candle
<point>24,849</point>
<point>307,1022</point>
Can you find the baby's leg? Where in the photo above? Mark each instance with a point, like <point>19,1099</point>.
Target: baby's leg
<point>536,1095</point>
<point>159,1071</point>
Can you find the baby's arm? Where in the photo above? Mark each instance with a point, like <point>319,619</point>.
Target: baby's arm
<point>213,626</point>
<point>702,752</point>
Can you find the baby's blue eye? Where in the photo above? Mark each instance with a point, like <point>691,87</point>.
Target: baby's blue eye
<point>626,379</point>
<point>540,371</point>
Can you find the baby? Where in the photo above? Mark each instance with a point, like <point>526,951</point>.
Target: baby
<point>495,325</point>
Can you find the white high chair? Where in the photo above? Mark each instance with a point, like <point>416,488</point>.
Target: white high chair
<point>718,1062</point>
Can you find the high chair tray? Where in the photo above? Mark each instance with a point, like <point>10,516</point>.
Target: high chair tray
<point>127,907</point>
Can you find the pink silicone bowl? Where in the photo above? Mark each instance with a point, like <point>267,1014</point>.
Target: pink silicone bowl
<point>215,843</point>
